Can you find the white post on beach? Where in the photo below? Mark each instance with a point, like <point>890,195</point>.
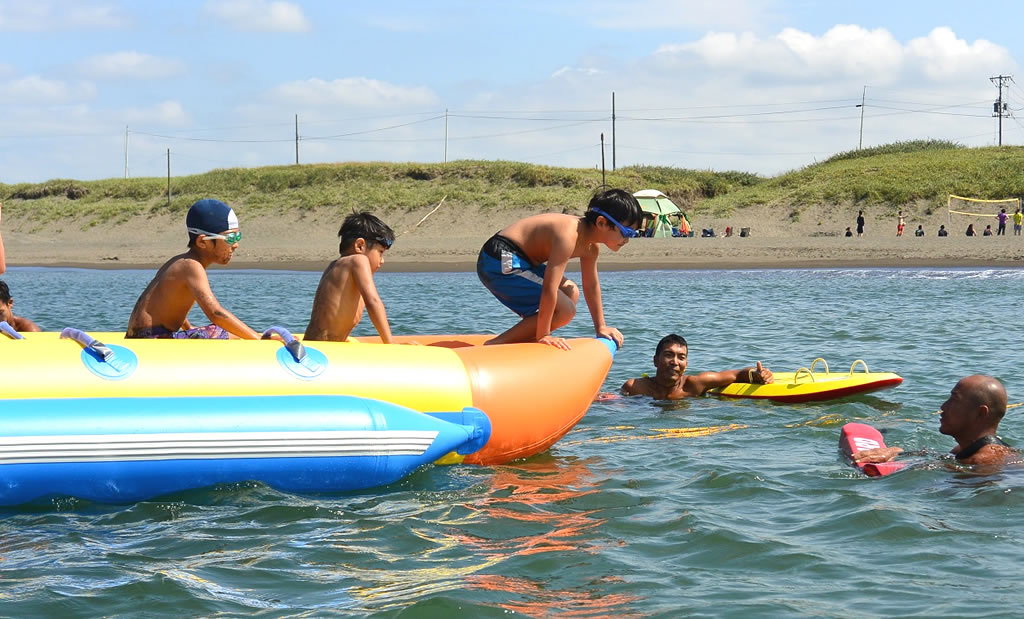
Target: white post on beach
<point>296,139</point>
<point>168,177</point>
<point>446,135</point>
<point>126,151</point>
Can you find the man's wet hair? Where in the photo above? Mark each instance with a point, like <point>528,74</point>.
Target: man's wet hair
<point>5,293</point>
<point>618,203</point>
<point>670,340</point>
<point>364,226</point>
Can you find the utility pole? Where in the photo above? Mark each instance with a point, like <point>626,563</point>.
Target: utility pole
<point>126,151</point>
<point>603,183</point>
<point>613,131</point>
<point>446,135</point>
<point>168,177</point>
<point>296,139</point>
<point>863,97</point>
<point>999,108</point>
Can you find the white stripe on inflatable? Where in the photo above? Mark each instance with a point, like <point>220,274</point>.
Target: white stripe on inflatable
<point>212,445</point>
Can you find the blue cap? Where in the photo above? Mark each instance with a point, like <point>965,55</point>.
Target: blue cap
<point>209,217</point>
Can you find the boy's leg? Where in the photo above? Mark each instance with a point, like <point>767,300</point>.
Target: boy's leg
<point>526,329</point>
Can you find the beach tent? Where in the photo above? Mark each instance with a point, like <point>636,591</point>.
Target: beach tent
<point>660,206</point>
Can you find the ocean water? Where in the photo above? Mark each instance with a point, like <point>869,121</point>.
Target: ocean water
<point>704,507</point>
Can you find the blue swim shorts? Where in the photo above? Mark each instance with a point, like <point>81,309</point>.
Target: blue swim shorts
<point>157,332</point>
<point>506,270</point>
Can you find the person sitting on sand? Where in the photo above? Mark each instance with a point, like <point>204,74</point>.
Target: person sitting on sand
<point>988,230</point>
<point>970,415</point>
<point>20,323</point>
<point>919,231</point>
<point>970,230</point>
<point>670,381</point>
<point>942,230</point>
<point>347,287</point>
<point>848,232</point>
<point>162,310</point>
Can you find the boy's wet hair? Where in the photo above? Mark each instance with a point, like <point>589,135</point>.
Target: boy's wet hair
<point>670,340</point>
<point>364,226</point>
<point>618,203</point>
<point>5,293</point>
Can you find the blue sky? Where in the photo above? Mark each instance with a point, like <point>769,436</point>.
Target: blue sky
<point>754,85</point>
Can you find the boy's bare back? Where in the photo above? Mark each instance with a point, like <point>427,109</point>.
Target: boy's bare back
<point>338,304</point>
<point>180,283</point>
<point>542,236</point>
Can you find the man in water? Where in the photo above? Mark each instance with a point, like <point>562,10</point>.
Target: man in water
<point>671,383</point>
<point>971,416</point>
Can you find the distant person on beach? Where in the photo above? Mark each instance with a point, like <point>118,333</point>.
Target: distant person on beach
<point>971,416</point>
<point>670,381</point>
<point>970,230</point>
<point>919,231</point>
<point>942,230</point>
<point>860,223</point>
<point>523,266</point>
<point>1002,216</point>
<point>162,310</point>
<point>20,323</point>
<point>987,231</point>
<point>899,224</point>
<point>1018,219</point>
<point>346,286</point>
<point>848,231</point>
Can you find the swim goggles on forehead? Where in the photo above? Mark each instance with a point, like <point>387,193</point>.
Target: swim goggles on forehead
<point>386,243</point>
<point>626,232</point>
<point>230,238</point>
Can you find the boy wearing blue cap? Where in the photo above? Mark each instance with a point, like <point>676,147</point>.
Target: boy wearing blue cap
<point>347,287</point>
<point>523,266</point>
<point>162,310</point>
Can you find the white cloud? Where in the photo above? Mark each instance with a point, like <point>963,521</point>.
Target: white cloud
<point>165,113</point>
<point>942,55</point>
<point>130,65</point>
<point>673,14</point>
<point>43,15</point>
<point>353,91</point>
<point>35,90</point>
<point>260,15</point>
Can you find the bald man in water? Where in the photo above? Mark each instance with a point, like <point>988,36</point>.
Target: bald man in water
<point>971,416</point>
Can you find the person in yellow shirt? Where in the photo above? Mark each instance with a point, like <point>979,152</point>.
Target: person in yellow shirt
<point>1018,219</point>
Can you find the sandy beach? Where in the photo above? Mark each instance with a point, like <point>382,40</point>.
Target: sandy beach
<point>449,241</point>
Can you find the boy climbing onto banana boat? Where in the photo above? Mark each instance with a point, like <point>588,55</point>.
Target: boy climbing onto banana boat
<point>671,382</point>
<point>524,265</point>
<point>162,310</point>
<point>346,286</point>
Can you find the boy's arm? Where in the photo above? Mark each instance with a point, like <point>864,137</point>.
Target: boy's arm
<point>558,259</point>
<point>592,293</point>
<point>368,291</point>
<point>199,284</point>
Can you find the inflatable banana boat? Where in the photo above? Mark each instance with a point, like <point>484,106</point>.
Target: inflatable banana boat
<point>532,394</point>
<point>126,449</point>
<point>806,385</point>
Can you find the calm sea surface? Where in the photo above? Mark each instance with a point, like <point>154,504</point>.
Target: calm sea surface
<point>622,517</point>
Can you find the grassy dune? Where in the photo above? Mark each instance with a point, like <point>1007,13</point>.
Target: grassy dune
<point>889,177</point>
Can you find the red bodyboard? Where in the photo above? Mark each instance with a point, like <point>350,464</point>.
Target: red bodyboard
<point>855,437</point>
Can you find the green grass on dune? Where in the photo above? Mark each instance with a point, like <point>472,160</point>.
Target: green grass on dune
<point>885,177</point>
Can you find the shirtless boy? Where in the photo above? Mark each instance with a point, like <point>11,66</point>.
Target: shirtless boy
<point>524,266</point>
<point>671,382</point>
<point>20,323</point>
<point>347,287</point>
<point>162,310</point>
